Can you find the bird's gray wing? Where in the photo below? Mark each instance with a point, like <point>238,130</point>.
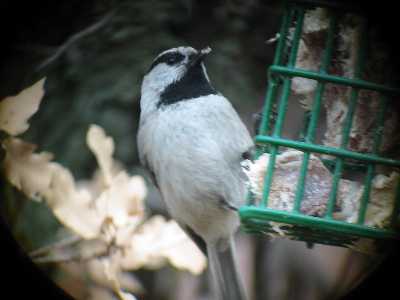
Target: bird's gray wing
<point>152,176</point>
<point>142,150</point>
<point>201,244</point>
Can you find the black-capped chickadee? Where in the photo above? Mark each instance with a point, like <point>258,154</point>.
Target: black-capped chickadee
<point>192,141</point>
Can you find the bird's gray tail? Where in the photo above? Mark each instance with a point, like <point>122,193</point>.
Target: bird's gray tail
<point>225,276</point>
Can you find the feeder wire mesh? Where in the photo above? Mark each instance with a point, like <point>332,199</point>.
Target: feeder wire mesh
<point>257,217</point>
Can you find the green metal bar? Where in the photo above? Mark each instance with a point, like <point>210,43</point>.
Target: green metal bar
<point>327,150</point>
<point>271,94</point>
<point>287,82</point>
<point>269,99</point>
<point>272,84</point>
<point>396,206</point>
<point>250,213</point>
<point>296,37</point>
<point>339,160</point>
<point>282,107</point>
<point>378,135</point>
<point>355,83</point>
<point>349,118</point>
<point>362,211</point>
<point>287,17</point>
<point>315,112</point>
<point>337,174</point>
<point>371,168</point>
<point>301,183</point>
<point>361,51</point>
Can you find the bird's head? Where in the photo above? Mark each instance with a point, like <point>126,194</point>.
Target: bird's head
<point>176,74</point>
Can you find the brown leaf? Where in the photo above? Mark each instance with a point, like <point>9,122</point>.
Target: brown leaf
<point>16,110</point>
<point>105,272</point>
<point>27,171</point>
<point>73,207</point>
<point>123,200</point>
<point>158,242</point>
<point>102,147</point>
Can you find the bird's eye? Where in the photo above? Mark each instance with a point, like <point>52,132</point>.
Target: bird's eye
<point>172,60</point>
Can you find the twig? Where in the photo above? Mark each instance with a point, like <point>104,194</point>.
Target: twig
<point>70,254</point>
<point>57,258</point>
<point>273,39</point>
<point>60,244</point>
<point>67,257</point>
<point>75,37</point>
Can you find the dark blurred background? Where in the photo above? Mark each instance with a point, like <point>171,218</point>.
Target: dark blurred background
<point>94,55</point>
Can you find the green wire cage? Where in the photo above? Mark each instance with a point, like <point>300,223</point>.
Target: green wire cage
<point>256,216</point>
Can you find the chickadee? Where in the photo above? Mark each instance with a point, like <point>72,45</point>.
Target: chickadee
<point>192,141</point>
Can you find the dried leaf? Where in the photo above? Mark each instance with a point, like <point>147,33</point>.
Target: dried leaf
<point>99,293</point>
<point>96,184</point>
<point>111,271</point>
<point>158,242</point>
<point>27,171</point>
<point>92,248</point>
<point>102,147</point>
<point>181,252</point>
<point>105,273</point>
<point>125,296</point>
<point>37,177</point>
<point>123,200</point>
<point>16,110</point>
<point>120,202</point>
<point>104,215</point>
<point>74,208</point>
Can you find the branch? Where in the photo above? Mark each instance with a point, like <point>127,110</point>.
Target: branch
<point>61,252</point>
<point>68,256</point>
<point>75,37</point>
<point>60,244</point>
<point>58,258</point>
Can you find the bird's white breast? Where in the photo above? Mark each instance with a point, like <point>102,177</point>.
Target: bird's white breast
<point>194,147</point>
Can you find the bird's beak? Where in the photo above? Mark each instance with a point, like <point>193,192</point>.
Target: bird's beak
<point>198,57</point>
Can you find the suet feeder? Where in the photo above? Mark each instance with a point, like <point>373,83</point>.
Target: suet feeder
<point>339,156</point>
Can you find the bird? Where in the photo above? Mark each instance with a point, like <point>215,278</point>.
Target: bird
<point>192,141</point>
